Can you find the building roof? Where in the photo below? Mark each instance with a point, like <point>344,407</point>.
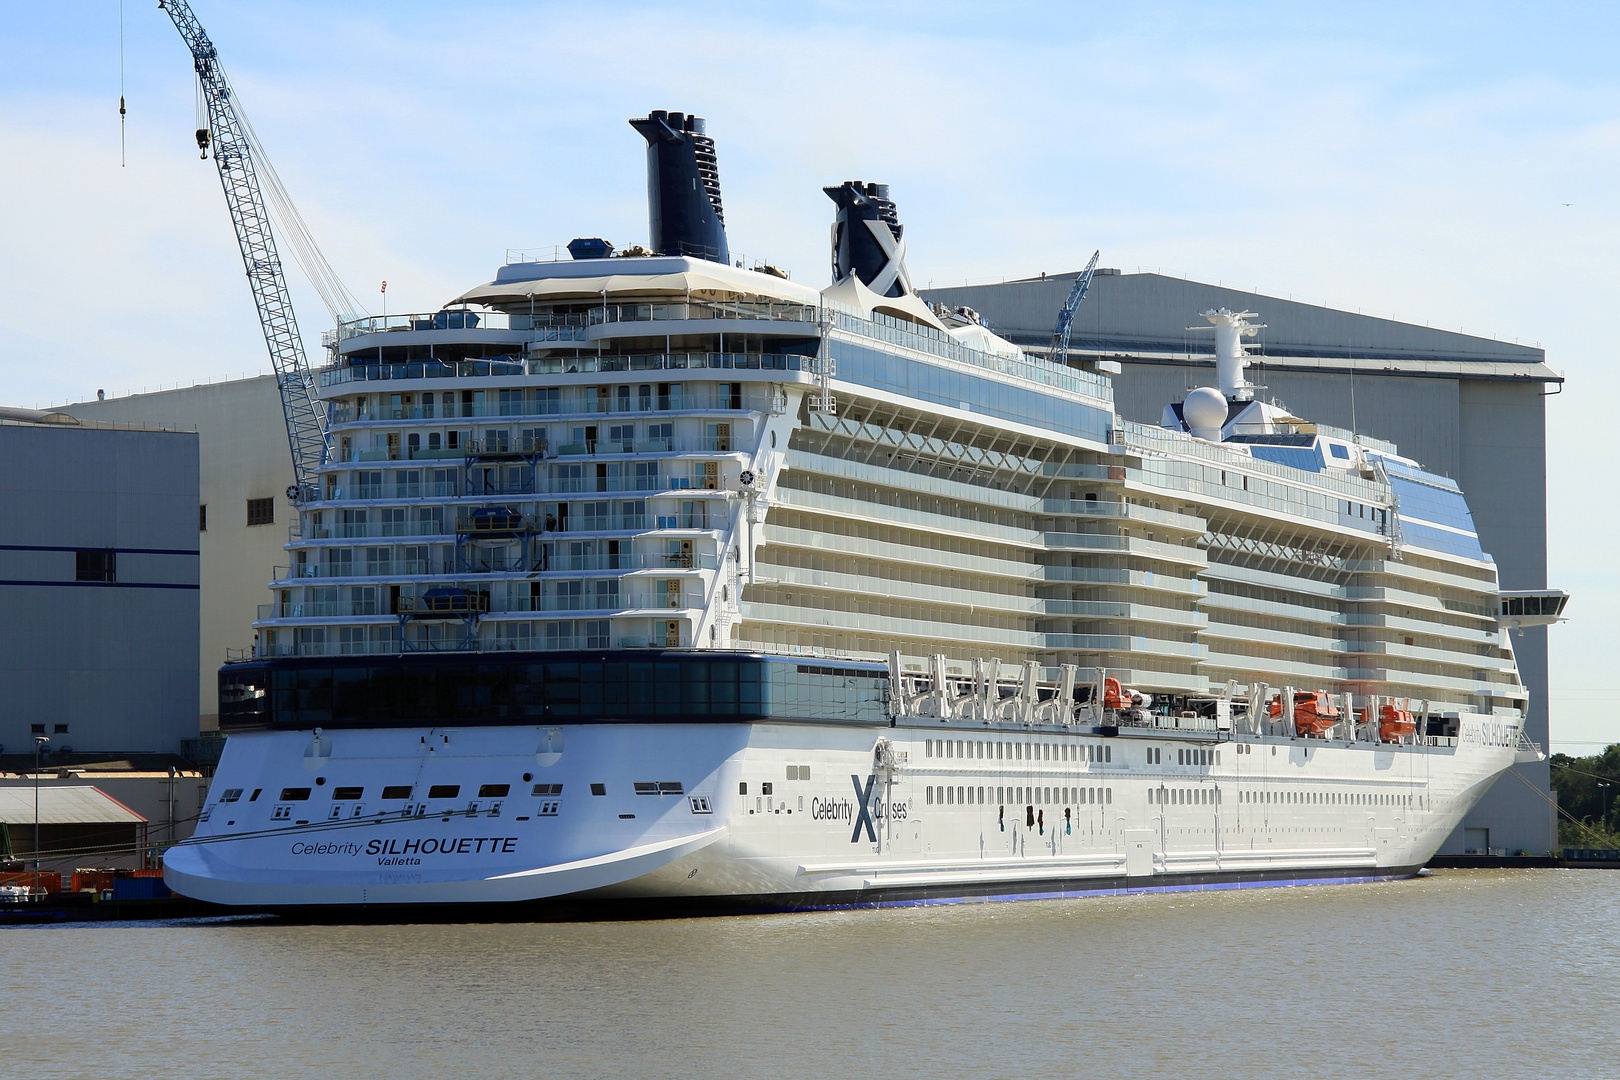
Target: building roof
<point>1145,318</point>
<point>63,804</point>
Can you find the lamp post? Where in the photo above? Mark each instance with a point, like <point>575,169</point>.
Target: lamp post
<point>39,746</point>
<point>1603,807</point>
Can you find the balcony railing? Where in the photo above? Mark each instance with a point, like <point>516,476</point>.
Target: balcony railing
<point>705,445</point>
<point>563,322</point>
<point>338,374</point>
<point>533,404</point>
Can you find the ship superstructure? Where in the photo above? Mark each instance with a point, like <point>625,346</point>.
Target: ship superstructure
<point>673,513</point>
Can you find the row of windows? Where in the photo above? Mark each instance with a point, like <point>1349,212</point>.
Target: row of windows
<point>433,688</point>
<point>401,791</point>
<point>1091,753</point>
<point>1329,798</point>
<point>1184,796</point>
<point>961,390</point>
<point>945,795</point>
<point>450,791</point>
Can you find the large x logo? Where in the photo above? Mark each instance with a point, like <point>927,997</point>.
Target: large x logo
<point>895,268</point>
<point>864,800</point>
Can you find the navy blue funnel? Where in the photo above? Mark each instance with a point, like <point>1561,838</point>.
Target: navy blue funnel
<point>867,238</point>
<point>683,187</point>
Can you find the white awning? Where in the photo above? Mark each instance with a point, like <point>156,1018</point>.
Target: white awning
<point>853,293</point>
<point>693,283</point>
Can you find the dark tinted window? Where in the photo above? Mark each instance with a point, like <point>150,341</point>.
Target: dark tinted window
<point>294,794</point>
<point>347,792</point>
<point>598,789</point>
<point>95,566</point>
<point>261,511</point>
<point>494,791</point>
<point>355,693</point>
<point>399,791</point>
<point>444,791</point>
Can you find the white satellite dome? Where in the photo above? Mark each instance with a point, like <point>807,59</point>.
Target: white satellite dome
<point>1204,410</point>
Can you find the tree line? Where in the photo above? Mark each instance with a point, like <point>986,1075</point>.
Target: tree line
<point>1588,789</point>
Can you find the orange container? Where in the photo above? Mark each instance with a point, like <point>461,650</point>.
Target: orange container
<point>91,880</point>
<point>50,882</point>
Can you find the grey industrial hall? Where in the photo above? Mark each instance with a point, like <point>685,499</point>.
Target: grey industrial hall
<point>98,577</point>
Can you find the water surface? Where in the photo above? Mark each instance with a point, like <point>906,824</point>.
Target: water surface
<point>1464,973</point>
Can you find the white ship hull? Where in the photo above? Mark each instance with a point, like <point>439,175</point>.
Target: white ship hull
<point>1093,817</point>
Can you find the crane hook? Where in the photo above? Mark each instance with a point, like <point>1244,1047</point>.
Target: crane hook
<point>203,138</point>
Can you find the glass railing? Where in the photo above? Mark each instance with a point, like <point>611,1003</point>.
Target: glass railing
<point>543,404</point>
<point>572,326</point>
<point>926,339</point>
<point>339,374</point>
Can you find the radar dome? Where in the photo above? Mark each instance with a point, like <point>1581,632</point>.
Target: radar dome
<point>1205,413</point>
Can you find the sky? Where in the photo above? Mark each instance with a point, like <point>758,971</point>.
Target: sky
<point>1449,163</point>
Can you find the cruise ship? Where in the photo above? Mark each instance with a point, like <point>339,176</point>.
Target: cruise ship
<point>648,580</point>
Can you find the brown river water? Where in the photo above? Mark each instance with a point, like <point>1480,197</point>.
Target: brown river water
<point>1510,973</point>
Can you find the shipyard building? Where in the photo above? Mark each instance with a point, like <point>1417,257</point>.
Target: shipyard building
<point>242,515</point>
<point>98,574</point>
<point>1470,408</point>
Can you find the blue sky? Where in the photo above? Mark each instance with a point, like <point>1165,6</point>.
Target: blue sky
<point>1409,160</point>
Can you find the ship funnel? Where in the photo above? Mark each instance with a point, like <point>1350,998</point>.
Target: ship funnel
<point>683,187</point>
<point>867,238</point>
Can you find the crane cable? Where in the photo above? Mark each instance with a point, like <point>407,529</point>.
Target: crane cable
<point>339,301</point>
<point>123,158</point>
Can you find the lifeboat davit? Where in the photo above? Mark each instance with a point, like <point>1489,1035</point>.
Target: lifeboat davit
<point>1314,713</point>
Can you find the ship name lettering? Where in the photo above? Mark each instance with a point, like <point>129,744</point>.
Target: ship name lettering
<point>831,809</point>
<point>449,845</point>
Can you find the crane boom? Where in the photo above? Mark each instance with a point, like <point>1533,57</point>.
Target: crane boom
<point>1060,336</point>
<point>306,421</point>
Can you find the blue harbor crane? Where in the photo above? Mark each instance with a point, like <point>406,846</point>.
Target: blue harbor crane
<point>1060,336</point>
<point>233,145</point>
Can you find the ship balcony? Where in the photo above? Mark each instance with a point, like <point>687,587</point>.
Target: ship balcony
<point>496,448</point>
<point>647,485</point>
<point>1106,609</point>
<point>1143,579</point>
<point>1098,508</point>
<point>496,522</point>
<point>1138,644</point>
<point>535,402</point>
<point>455,600</point>
<point>345,373</point>
<point>609,448</point>
<point>405,571</point>
<point>443,603</point>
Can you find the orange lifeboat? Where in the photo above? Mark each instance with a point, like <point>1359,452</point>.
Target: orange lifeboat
<point>1119,698</point>
<point>1395,723</point>
<point>1314,712</point>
